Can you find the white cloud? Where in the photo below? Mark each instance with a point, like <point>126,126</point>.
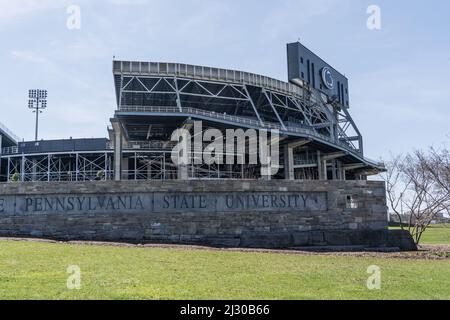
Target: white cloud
<point>404,107</point>
<point>29,56</point>
<point>215,15</point>
<point>37,59</point>
<point>54,68</point>
<point>86,48</point>
<point>297,13</point>
<point>400,86</point>
<point>126,2</point>
<point>10,10</point>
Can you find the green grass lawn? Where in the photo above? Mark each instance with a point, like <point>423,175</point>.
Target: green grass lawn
<point>38,271</point>
<point>438,234</point>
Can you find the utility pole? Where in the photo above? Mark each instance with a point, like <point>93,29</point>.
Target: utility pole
<point>37,102</point>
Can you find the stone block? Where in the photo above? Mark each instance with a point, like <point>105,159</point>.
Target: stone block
<point>301,239</point>
<point>269,214</point>
<point>266,240</point>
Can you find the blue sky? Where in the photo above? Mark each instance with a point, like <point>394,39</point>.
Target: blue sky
<point>399,76</point>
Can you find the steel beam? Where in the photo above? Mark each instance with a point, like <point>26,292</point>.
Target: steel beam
<point>333,156</point>
<point>298,144</point>
<point>274,110</point>
<point>253,106</point>
<point>354,166</point>
<point>289,170</point>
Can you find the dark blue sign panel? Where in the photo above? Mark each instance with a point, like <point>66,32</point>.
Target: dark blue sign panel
<point>307,67</point>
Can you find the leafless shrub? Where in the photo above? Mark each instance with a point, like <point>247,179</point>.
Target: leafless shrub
<point>418,189</point>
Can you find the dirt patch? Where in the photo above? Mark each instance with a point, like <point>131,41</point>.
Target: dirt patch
<point>426,252</point>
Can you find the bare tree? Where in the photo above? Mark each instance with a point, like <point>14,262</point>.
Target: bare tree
<point>396,186</point>
<point>417,183</point>
<point>438,165</point>
<point>425,199</point>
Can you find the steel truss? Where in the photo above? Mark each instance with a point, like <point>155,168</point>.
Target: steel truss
<point>143,165</point>
<point>157,165</point>
<point>150,165</point>
<point>242,103</point>
<point>60,167</point>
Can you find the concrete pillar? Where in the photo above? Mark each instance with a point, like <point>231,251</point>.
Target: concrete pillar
<point>324,161</point>
<point>118,144</point>
<point>334,169</point>
<point>188,156</point>
<point>338,170</point>
<point>341,171</point>
<point>22,169</point>
<point>319,165</point>
<point>124,168</point>
<point>183,173</point>
<point>266,171</point>
<point>322,167</point>
<point>289,172</point>
<point>265,167</point>
<point>325,170</point>
<point>289,166</point>
<point>8,169</point>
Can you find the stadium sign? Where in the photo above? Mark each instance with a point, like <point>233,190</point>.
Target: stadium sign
<point>327,78</point>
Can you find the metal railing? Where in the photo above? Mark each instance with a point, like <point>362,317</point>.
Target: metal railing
<point>304,162</point>
<point>63,176</point>
<point>10,150</point>
<point>246,121</point>
<point>226,117</point>
<point>144,145</point>
<point>200,112</point>
<point>205,73</point>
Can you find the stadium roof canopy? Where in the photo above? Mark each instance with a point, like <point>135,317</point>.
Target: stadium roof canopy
<point>9,139</point>
<point>166,93</point>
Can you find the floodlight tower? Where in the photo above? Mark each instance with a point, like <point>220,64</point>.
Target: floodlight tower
<point>37,102</point>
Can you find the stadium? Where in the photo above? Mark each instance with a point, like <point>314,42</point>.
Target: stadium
<point>318,138</point>
<point>129,187</point>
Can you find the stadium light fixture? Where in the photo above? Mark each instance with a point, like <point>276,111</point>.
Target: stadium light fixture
<point>37,102</point>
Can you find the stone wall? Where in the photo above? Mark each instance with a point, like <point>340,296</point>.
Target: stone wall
<point>272,214</point>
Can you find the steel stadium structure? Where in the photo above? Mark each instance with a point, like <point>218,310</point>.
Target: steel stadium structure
<point>319,139</point>
<point>8,144</point>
